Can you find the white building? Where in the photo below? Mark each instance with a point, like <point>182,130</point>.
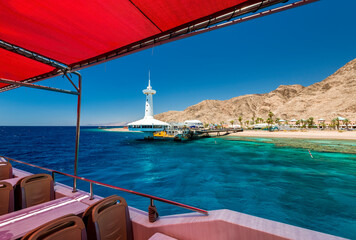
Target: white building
<point>281,121</point>
<point>148,124</point>
<point>194,123</point>
<point>260,126</point>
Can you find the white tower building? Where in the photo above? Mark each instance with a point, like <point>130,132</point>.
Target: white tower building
<point>148,124</point>
<point>149,92</point>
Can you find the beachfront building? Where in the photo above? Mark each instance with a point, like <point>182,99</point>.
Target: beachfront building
<point>235,126</point>
<point>293,123</point>
<point>148,124</point>
<point>260,126</point>
<point>321,123</point>
<point>346,124</point>
<point>281,122</point>
<point>193,124</point>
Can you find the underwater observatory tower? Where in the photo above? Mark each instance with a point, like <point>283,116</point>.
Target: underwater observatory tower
<point>148,124</point>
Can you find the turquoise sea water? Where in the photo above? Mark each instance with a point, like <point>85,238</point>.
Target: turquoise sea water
<point>254,177</point>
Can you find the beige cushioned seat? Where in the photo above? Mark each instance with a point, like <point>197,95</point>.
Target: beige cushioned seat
<point>6,198</point>
<point>69,227</point>
<point>33,190</point>
<point>5,170</point>
<point>108,218</point>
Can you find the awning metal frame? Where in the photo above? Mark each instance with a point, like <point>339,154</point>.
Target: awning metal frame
<point>32,55</point>
<point>60,67</point>
<point>31,85</point>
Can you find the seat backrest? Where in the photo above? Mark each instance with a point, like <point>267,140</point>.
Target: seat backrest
<point>6,198</point>
<point>5,170</point>
<point>108,218</point>
<point>33,190</point>
<point>67,227</point>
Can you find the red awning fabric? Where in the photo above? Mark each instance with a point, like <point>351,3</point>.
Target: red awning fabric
<point>173,13</point>
<point>71,32</point>
<point>17,67</point>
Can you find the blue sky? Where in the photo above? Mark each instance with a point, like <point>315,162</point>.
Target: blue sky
<point>298,46</point>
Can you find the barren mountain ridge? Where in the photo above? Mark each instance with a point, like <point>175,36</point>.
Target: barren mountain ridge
<point>334,96</point>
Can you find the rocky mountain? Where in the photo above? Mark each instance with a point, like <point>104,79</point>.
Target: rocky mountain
<point>335,96</point>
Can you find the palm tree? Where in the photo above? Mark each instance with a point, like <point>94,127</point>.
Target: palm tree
<point>310,122</point>
<point>270,114</point>
<point>247,123</point>
<point>335,122</point>
<point>302,122</point>
<point>297,122</point>
<point>332,124</point>
<point>232,123</point>
<point>240,120</point>
<point>277,120</point>
<point>347,122</point>
<point>253,120</point>
<point>270,122</point>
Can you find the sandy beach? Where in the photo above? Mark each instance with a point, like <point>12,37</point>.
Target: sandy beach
<point>309,134</point>
<point>115,129</point>
<point>118,130</point>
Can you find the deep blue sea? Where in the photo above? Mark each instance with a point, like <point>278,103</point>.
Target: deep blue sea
<point>258,178</point>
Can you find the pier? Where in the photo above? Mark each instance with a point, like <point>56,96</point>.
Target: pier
<point>224,131</point>
<point>180,134</point>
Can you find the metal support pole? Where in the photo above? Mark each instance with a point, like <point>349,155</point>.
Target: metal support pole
<point>91,192</point>
<point>70,80</point>
<point>152,212</point>
<point>77,130</point>
<point>54,181</point>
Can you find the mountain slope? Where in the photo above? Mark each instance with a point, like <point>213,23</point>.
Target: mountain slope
<point>332,97</point>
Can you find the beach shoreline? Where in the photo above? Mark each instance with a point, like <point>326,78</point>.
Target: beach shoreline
<point>308,134</point>
<point>115,129</point>
<point>118,130</point>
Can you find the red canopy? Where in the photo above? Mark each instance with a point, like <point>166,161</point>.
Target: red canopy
<point>17,67</point>
<point>77,33</point>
